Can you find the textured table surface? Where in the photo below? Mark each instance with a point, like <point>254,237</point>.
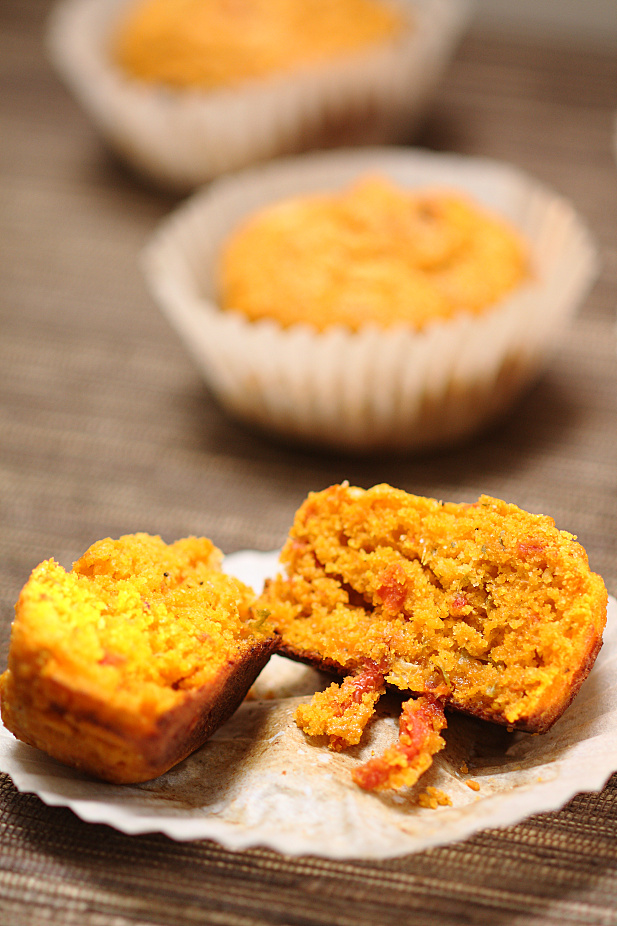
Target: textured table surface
<point>106,428</point>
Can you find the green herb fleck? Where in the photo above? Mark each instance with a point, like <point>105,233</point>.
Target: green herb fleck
<point>262,616</point>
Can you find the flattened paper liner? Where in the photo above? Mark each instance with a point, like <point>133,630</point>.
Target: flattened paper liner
<point>258,780</point>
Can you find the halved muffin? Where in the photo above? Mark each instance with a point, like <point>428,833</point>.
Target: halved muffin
<point>126,664</point>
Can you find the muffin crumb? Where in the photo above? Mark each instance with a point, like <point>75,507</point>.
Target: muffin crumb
<point>433,798</point>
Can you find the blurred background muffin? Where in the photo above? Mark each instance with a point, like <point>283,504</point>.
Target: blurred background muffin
<point>189,89</point>
<point>384,380</point>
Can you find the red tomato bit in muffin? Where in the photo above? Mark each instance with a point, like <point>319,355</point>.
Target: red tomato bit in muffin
<point>402,764</point>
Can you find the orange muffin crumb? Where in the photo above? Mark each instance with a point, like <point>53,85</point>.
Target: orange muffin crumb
<point>483,607</point>
<point>342,712</point>
<point>126,664</point>
<point>434,798</point>
<point>372,253</point>
<point>208,44</point>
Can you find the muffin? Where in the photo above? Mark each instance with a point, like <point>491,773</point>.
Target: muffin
<point>481,608</point>
<point>129,662</point>
<point>185,90</point>
<point>371,300</point>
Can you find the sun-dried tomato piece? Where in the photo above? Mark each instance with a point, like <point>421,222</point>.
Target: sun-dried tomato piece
<point>532,549</point>
<point>458,604</point>
<point>402,764</point>
<point>392,591</point>
<point>370,679</point>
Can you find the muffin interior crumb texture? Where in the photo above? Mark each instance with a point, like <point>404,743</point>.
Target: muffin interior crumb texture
<point>209,44</point>
<point>371,253</point>
<point>482,608</point>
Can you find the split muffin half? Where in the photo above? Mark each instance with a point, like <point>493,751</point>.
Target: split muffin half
<point>481,608</point>
<point>126,664</point>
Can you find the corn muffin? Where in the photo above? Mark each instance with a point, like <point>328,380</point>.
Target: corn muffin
<point>208,44</point>
<point>481,608</point>
<point>371,253</point>
<point>129,662</point>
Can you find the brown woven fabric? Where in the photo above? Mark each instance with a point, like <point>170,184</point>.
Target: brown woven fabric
<point>105,428</point>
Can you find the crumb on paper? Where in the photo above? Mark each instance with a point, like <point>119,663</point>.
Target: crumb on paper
<point>473,785</point>
<point>464,768</point>
<point>433,798</point>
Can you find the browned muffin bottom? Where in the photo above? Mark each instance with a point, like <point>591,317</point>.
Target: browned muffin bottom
<point>483,608</point>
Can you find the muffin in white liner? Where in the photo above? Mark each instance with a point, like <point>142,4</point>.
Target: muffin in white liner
<point>377,388</point>
<point>182,138</point>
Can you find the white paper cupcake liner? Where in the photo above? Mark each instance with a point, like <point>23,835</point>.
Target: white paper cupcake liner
<point>374,389</point>
<point>182,139</point>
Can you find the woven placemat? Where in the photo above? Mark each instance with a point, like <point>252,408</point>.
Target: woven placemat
<point>106,428</point>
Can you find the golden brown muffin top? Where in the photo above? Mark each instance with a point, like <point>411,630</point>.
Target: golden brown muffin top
<point>216,43</point>
<point>372,253</point>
